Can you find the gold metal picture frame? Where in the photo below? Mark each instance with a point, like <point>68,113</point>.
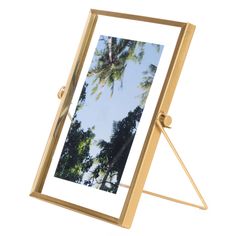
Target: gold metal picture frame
<point>158,122</point>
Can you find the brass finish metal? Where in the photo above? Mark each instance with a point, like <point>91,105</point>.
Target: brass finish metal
<point>64,105</point>
<point>131,202</point>
<point>75,207</point>
<point>165,120</point>
<point>169,198</point>
<point>204,207</point>
<point>153,135</point>
<point>60,95</point>
<point>61,92</point>
<point>161,125</point>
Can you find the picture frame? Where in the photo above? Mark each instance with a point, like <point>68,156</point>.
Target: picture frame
<point>171,40</point>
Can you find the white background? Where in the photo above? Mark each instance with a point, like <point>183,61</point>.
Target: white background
<point>38,40</point>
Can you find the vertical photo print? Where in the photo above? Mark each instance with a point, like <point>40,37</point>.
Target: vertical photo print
<point>108,112</point>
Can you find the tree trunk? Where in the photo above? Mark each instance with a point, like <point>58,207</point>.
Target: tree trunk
<point>113,162</point>
<point>110,48</point>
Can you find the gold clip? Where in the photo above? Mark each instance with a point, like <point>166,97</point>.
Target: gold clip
<point>60,95</point>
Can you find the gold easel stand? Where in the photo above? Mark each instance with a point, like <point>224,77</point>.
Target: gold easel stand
<point>164,121</point>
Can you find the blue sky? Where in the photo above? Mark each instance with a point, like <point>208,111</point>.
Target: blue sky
<point>103,112</point>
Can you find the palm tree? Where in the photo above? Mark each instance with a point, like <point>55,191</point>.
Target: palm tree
<point>147,82</point>
<point>113,154</point>
<point>75,159</point>
<point>111,61</point>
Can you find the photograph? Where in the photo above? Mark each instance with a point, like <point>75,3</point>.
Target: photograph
<point>108,112</point>
<point>112,114</point>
